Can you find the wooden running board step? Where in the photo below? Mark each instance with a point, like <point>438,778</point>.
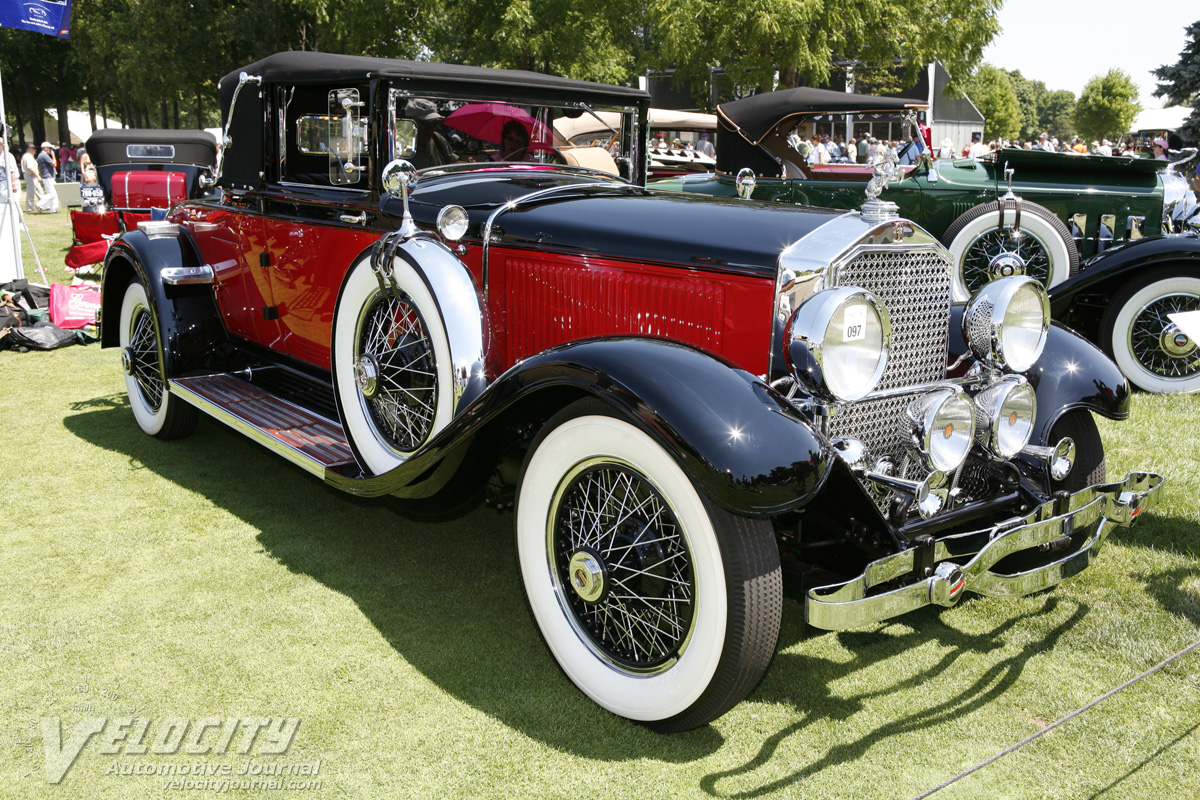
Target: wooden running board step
<point>304,438</point>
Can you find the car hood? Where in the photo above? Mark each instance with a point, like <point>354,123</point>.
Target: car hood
<point>627,222</point>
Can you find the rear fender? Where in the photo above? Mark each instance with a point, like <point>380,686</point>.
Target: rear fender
<point>187,318</point>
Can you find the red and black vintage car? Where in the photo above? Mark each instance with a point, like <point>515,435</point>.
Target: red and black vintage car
<point>411,287</point>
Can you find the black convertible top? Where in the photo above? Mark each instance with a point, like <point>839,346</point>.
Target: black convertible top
<point>244,162</point>
<point>107,146</point>
<point>309,67</point>
<point>755,116</point>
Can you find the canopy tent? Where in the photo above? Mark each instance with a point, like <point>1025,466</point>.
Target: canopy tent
<point>78,123</point>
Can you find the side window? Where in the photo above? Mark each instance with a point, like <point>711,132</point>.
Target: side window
<point>323,136</point>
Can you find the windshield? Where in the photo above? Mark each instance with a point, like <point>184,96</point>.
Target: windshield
<point>432,131</point>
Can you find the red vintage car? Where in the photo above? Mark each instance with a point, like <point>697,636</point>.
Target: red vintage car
<point>137,171</point>
<point>412,287</point>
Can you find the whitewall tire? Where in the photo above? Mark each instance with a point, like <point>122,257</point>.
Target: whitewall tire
<point>391,366</point>
<point>657,604</point>
<point>980,251</point>
<point>157,411</point>
<point>1153,352</point>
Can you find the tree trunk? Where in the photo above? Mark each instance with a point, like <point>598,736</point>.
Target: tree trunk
<point>162,108</point>
<point>104,111</point>
<point>92,110</point>
<point>199,109</point>
<point>175,102</point>
<point>64,106</point>
<point>20,125</point>
<point>37,117</point>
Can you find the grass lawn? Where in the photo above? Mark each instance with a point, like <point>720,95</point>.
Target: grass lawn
<point>207,578</point>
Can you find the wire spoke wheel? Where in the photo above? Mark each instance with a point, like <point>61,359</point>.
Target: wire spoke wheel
<point>623,566</point>
<point>1158,344</point>
<point>144,359</point>
<point>1000,253</point>
<point>396,371</point>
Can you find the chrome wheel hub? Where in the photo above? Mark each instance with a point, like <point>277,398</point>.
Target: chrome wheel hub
<point>1175,343</point>
<point>127,361</point>
<point>587,576</point>
<point>366,376</point>
<point>1005,265</point>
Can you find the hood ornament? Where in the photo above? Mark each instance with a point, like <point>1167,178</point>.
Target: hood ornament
<point>887,169</point>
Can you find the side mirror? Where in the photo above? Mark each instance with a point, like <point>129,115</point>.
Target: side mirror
<point>745,182</point>
<point>398,177</point>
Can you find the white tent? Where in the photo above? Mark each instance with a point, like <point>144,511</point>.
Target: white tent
<point>78,122</point>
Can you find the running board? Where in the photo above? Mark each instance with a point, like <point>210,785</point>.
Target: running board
<point>308,440</point>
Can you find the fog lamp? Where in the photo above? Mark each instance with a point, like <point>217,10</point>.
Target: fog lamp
<point>943,427</point>
<point>1004,416</point>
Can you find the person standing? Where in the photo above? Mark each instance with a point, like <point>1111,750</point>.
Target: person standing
<point>1044,143</point>
<point>947,148</point>
<point>861,148</point>
<point>48,201</point>
<point>29,166</point>
<point>705,146</point>
<point>978,148</point>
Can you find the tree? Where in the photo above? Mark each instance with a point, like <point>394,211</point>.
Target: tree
<point>1107,106</point>
<point>800,41</point>
<point>1031,96</point>
<point>1057,113</point>
<point>992,93</point>
<point>1180,83</point>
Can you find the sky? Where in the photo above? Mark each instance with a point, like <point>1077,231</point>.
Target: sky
<point>1065,45</point>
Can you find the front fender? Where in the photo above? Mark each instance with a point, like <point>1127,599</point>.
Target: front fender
<point>1073,373</point>
<point>734,436</point>
<point>1107,272</point>
<point>187,318</point>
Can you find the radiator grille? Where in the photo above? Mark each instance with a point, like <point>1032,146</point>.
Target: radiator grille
<point>915,288</point>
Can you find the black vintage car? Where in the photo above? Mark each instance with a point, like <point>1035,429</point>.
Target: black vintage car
<point>677,396</point>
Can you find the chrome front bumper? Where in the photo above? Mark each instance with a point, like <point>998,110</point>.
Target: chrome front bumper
<point>962,562</point>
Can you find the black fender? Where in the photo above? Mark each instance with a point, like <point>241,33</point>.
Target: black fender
<point>1079,300</point>
<point>1071,373</point>
<point>1074,373</point>
<point>736,438</point>
<point>189,324</point>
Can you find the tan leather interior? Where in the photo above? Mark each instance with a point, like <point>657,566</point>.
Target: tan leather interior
<point>591,158</point>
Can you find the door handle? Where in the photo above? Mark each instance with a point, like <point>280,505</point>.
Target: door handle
<point>360,219</point>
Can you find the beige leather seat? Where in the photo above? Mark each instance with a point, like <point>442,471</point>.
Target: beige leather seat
<point>591,158</point>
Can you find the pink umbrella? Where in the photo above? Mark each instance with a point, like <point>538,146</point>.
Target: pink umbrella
<point>486,121</point>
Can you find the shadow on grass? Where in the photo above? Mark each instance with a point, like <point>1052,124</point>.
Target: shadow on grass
<point>447,598</point>
<point>815,703</point>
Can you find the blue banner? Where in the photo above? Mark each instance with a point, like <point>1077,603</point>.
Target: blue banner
<point>51,17</point>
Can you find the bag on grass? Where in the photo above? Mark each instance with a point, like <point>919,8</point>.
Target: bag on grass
<point>39,336</point>
<point>73,306</point>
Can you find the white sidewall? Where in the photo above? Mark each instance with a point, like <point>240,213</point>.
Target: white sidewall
<point>1038,228</point>
<point>640,697</point>
<point>360,286</point>
<point>148,419</point>
<point>1120,337</point>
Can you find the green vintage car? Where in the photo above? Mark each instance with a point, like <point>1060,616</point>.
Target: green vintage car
<point>1013,212</point>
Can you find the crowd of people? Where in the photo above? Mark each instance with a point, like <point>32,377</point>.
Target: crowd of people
<point>43,167</point>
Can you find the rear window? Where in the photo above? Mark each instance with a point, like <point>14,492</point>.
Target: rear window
<point>150,150</point>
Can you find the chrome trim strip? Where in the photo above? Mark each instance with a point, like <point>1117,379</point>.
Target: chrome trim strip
<point>847,605</point>
<point>188,276</point>
<point>302,460</point>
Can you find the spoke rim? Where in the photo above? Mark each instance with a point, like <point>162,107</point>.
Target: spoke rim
<point>994,244</point>
<point>643,619</point>
<point>1145,337</point>
<point>393,334</point>
<point>143,358</point>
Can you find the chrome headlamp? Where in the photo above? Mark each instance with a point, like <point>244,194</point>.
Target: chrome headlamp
<point>943,427</point>
<point>837,343</point>
<point>1005,323</point>
<point>1004,417</point>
